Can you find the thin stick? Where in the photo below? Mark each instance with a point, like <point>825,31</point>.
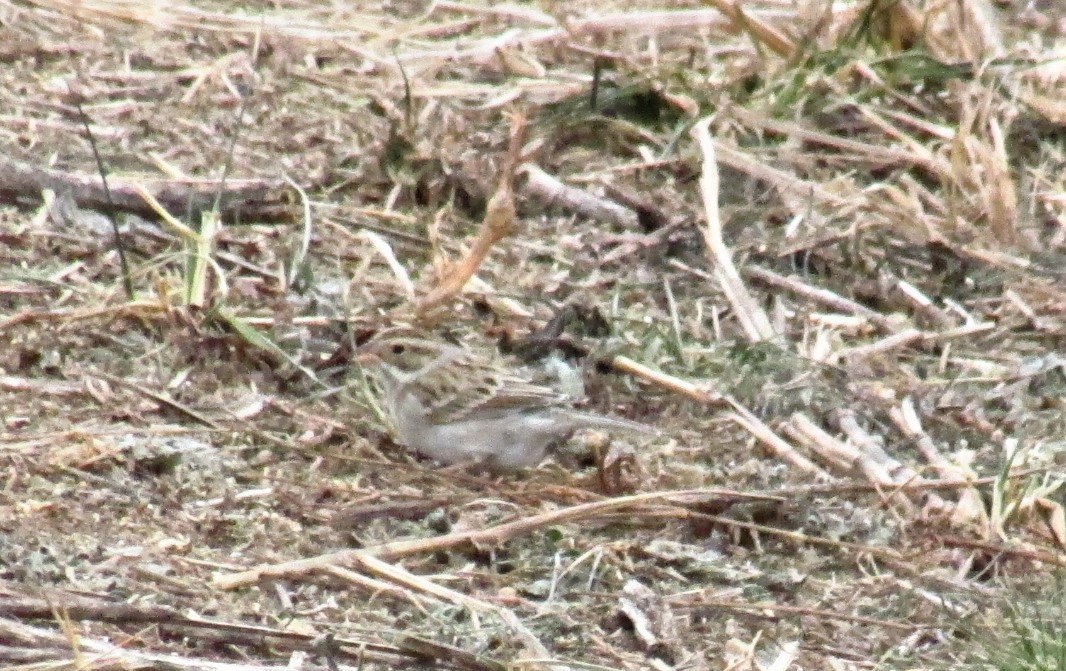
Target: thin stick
<point>752,318</point>
<point>549,190</point>
<point>665,380</point>
<point>120,246</point>
<point>484,537</point>
<point>824,296</point>
<point>499,222</point>
<point>253,198</point>
<point>496,535</point>
<point>780,447</point>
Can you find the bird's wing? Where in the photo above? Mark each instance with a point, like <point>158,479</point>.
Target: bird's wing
<point>486,389</point>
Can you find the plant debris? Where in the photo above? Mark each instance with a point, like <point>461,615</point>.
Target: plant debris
<point>820,247</point>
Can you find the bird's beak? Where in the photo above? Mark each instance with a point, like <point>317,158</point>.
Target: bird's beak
<point>366,357</point>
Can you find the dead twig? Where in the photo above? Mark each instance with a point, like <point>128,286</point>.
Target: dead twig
<point>752,318</point>
<point>52,645</point>
<point>769,610</point>
<point>259,199</point>
<point>164,399</point>
<point>499,222</point>
<point>551,192</point>
<point>824,296</point>
<point>422,648</point>
<point>665,380</point>
<point>778,445</point>
<point>1029,554</point>
<point>483,537</point>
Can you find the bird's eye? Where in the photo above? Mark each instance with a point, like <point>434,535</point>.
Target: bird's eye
<point>397,348</point>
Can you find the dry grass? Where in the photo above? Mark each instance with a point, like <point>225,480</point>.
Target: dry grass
<point>820,246</point>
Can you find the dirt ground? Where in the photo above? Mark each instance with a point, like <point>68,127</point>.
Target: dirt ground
<point>821,249</point>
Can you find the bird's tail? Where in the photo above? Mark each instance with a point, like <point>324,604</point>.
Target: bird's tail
<point>590,420</point>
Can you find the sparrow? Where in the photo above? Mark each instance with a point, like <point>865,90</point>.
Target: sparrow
<point>453,405</point>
